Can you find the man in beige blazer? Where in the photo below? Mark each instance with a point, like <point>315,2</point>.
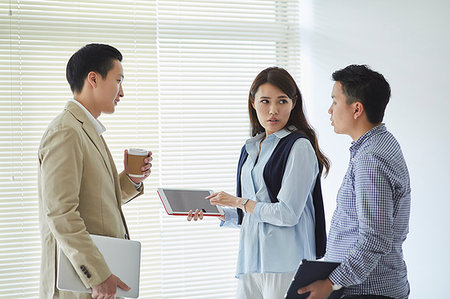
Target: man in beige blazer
<point>80,190</point>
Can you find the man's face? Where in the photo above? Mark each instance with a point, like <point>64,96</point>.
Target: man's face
<point>109,90</point>
<point>341,113</point>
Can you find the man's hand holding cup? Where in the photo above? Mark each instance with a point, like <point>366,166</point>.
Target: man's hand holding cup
<point>137,164</point>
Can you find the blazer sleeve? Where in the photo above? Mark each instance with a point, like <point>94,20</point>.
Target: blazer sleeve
<point>61,170</point>
<point>128,190</point>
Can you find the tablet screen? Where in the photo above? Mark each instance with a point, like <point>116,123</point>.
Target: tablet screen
<point>182,201</point>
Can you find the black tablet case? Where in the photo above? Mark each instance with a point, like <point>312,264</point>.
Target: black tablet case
<point>307,273</point>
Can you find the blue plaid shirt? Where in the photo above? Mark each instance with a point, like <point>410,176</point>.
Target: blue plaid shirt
<point>371,220</point>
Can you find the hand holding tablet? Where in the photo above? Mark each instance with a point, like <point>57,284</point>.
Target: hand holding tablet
<point>181,201</point>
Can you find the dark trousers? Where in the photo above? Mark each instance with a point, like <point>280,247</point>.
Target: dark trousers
<point>366,297</point>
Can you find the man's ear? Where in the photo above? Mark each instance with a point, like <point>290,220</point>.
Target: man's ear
<point>358,109</point>
<point>91,79</point>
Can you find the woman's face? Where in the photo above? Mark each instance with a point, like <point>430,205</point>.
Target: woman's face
<point>273,108</point>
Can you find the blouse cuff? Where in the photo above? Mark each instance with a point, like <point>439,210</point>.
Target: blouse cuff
<point>257,211</point>
<point>231,218</point>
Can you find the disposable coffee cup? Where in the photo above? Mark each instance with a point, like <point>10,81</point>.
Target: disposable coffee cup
<point>135,159</point>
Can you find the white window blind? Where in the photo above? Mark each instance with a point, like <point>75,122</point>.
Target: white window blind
<point>188,68</point>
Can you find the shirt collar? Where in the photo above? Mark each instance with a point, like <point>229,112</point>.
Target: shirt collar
<point>99,127</point>
<point>278,134</point>
<point>366,136</point>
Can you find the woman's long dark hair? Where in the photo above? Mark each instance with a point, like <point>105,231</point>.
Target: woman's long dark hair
<point>280,78</point>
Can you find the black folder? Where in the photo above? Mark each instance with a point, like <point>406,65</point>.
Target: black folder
<point>307,273</point>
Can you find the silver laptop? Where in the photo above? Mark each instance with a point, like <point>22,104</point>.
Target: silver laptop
<point>123,258</point>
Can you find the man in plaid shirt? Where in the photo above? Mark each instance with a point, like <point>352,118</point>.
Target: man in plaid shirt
<point>371,220</point>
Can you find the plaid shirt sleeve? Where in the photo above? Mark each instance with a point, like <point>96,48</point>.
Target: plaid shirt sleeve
<point>375,204</point>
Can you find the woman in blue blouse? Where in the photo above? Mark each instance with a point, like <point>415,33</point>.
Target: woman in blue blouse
<point>278,206</point>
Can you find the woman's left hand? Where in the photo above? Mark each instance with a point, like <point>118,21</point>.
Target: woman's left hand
<point>225,199</point>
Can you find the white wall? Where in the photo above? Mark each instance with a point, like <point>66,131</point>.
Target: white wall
<point>409,43</point>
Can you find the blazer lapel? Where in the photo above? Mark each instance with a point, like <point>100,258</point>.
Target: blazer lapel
<point>115,177</point>
<point>90,131</point>
<point>116,187</point>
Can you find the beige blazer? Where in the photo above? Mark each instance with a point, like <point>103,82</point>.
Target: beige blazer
<point>80,193</point>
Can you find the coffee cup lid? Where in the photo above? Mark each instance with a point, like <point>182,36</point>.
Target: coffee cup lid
<point>137,152</point>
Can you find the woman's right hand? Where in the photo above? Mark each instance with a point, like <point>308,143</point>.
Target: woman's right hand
<point>197,215</point>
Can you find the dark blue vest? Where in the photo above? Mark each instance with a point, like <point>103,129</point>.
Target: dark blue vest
<point>273,175</point>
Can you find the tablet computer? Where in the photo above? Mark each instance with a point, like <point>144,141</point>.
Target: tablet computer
<point>123,258</point>
<point>181,201</point>
<point>307,273</point>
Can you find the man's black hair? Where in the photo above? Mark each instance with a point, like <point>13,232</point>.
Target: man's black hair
<point>361,84</point>
<point>92,57</point>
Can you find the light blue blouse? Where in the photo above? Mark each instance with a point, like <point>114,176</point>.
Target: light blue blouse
<point>277,236</point>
